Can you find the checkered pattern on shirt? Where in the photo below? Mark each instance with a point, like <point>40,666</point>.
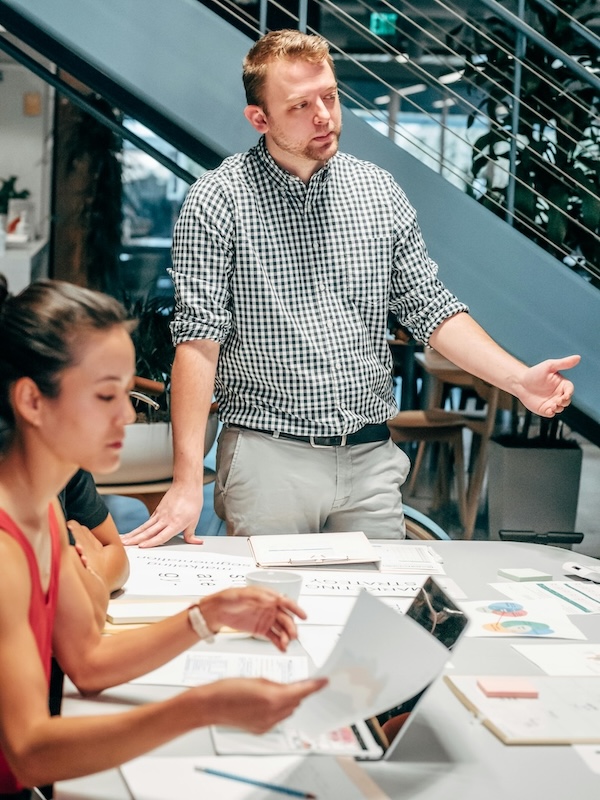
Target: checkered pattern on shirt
<point>295,282</point>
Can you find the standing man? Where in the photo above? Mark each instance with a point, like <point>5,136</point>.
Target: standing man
<point>286,262</point>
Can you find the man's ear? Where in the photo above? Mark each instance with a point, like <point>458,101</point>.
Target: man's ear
<point>26,398</point>
<point>257,118</point>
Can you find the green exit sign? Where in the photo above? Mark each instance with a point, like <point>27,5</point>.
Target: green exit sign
<point>382,24</point>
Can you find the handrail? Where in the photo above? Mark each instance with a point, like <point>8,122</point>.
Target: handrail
<point>580,29</point>
<point>510,134</point>
<point>79,99</point>
<point>344,17</point>
<point>42,42</point>
<point>541,41</point>
<point>567,135</point>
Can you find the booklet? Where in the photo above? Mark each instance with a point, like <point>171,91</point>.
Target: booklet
<point>565,711</point>
<point>314,549</point>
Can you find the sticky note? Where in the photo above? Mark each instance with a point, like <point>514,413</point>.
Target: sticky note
<point>507,686</point>
<point>524,574</point>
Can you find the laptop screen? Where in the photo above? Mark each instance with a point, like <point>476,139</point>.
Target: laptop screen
<point>434,610</point>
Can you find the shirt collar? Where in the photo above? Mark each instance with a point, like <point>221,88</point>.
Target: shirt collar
<point>283,179</point>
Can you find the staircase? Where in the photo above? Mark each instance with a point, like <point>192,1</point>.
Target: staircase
<point>176,67</point>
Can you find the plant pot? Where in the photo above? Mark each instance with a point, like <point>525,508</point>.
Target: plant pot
<point>532,489</point>
<point>147,454</point>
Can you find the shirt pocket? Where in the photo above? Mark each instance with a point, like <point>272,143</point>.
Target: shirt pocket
<point>368,266</point>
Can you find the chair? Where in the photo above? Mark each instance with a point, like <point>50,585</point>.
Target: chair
<point>420,526</point>
<point>446,429</point>
<point>482,428</point>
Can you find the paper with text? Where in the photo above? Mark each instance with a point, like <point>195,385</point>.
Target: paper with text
<point>198,667</point>
<point>160,572</point>
<point>410,559</point>
<point>574,597</point>
<point>350,584</point>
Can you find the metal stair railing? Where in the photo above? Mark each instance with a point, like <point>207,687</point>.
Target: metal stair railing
<point>515,141</point>
<point>437,43</point>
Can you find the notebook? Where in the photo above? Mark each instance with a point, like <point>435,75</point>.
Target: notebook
<point>317,549</point>
<point>371,739</point>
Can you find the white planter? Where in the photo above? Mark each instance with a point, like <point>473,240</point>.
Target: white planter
<point>147,454</point>
<point>532,489</point>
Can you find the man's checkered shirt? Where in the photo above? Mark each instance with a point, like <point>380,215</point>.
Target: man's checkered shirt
<point>295,282</point>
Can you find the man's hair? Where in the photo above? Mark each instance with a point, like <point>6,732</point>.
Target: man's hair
<point>280,45</point>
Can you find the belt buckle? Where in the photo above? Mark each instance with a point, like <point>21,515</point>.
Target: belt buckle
<point>342,443</point>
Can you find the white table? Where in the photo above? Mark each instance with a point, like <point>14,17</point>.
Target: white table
<point>446,754</point>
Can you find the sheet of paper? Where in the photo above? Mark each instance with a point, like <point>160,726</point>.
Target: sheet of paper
<point>575,597</point>
<point>330,582</point>
<point>450,586</point>
<point>159,572</point>
<point>334,612</point>
<point>297,549</point>
<point>328,778</point>
<point>501,618</point>
<point>408,559</point>
<point>197,667</point>
<point>563,659</point>
<point>318,641</point>
<point>590,754</point>
<point>567,710</point>
<point>381,659</point>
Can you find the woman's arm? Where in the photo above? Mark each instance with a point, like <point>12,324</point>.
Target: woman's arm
<point>95,662</point>
<point>41,749</point>
<point>102,550</point>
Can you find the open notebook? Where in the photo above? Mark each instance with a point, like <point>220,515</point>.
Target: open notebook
<point>370,739</point>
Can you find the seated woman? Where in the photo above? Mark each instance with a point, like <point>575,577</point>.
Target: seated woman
<point>66,367</point>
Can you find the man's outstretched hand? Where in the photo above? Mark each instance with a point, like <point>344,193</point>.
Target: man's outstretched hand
<point>543,390</point>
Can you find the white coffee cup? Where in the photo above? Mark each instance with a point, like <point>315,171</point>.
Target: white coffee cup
<point>279,580</point>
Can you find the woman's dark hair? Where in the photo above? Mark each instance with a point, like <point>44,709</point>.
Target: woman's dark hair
<point>40,329</point>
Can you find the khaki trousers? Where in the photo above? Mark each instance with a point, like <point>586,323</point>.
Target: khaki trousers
<point>274,485</point>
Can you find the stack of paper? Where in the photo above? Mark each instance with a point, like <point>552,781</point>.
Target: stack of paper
<point>408,559</point>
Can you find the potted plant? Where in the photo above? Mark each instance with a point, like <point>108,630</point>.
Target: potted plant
<point>534,470</point>
<point>147,455</point>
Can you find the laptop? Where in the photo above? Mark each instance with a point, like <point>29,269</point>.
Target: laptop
<point>372,739</point>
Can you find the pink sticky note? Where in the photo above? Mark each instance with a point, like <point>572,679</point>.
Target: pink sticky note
<point>507,686</point>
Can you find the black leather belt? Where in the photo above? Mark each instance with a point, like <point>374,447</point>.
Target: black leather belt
<point>370,433</point>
